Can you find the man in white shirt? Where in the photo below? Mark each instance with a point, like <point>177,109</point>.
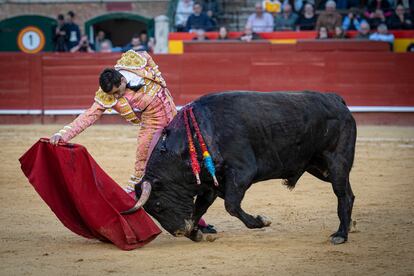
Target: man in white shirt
<point>260,21</point>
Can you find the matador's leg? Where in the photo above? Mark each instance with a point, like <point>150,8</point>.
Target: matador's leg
<point>153,122</point>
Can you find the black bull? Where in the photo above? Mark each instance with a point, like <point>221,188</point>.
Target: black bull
<point>251,137</point>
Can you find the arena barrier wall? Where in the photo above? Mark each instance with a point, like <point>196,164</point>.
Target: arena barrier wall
<point>50,87</point>
<point>403,38</point>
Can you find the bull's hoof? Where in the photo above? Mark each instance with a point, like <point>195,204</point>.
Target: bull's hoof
<point>196,236</point>
<point>266,222</point>
<point>337,238</point>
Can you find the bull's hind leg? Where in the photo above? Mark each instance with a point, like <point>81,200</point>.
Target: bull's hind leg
<point>339,163</point>
<point>236,185</point>
<point>339,169</point>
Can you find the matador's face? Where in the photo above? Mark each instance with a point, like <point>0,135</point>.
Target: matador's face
<point>119,91</point>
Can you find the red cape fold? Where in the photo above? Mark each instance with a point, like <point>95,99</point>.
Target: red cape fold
<point>84,198</point>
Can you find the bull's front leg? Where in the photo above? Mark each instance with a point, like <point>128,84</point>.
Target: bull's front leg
<point>236,186</point>
<point>203,202</point>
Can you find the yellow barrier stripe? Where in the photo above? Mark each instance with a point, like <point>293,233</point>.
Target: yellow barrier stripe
<point>401,44</point>
<point>283,41</point>
<point>175,47</point>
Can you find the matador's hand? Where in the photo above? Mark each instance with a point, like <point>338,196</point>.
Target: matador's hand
<point>55,139</point>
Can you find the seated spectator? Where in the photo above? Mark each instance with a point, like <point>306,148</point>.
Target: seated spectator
<point>307,20</point>
<point>339,33</point>
<point>84,46</point>
<point>105,46</point>
<point>211,5</point>
<point>382,34</point>
<point>329,18</point>
<point>213,20</point>
<point>400,20</point>
<point>377,12</point>
<point>377,18</point>
<point>323,33</point>
<point>183,11</point>
<point>363,32</point>
<point>295,4</point>
<point>135,44</point>
<point>200,35</point>
<point>146,42</point>
<point>212,10</point>
<point>248,34</point>
<point>410,48</point>
<point>260,21</point>
<point>198,19</point>
<point>59,35</point>
<point>352,21</point>
<point>286,20</point>
<point>223,33</point>
<point>100,37</point>
<point>272,6</point>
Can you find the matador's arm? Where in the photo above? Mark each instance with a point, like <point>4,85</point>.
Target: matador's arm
<point>84,120</point>
<point>88,117</point>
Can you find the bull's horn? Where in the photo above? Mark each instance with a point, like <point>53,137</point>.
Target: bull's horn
<point>146,191</point>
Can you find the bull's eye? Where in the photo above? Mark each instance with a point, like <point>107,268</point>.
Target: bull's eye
<point>157,207</point>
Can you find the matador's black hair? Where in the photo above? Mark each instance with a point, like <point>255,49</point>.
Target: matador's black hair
<point>109,78</point>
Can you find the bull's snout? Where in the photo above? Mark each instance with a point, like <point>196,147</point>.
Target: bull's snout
<point>186,229</point>
<point>189,231</point>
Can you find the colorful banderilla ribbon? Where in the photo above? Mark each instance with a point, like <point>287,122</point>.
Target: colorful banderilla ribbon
<point>208,161</point>
<point>195,166</point>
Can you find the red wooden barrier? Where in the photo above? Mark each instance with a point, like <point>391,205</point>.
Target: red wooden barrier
<point>227,46</point>
<point>342,45</point>
<point>69,81</point>
<point>263,46</point>
<point>21,81</point>
<point>282,35</point>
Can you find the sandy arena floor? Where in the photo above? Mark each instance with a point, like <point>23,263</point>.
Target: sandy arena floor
<point>34,242</point>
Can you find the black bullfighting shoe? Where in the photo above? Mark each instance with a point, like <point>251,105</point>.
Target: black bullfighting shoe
<point>209,229</point>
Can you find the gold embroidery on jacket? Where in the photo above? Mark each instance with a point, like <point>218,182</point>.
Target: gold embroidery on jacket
<point>131,60</point>
<point>105,99</point>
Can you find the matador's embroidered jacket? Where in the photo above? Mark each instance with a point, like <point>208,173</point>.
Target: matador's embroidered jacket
<point>151,107</point>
